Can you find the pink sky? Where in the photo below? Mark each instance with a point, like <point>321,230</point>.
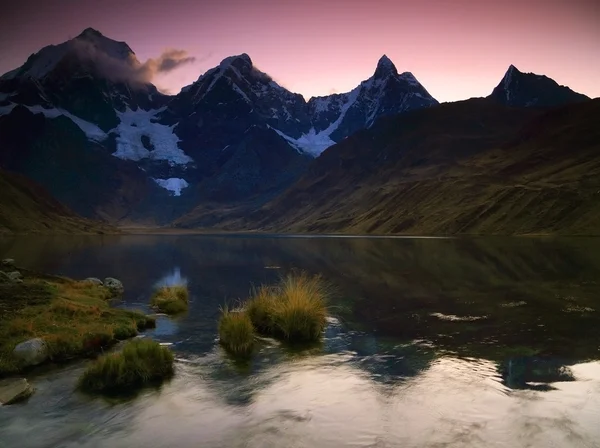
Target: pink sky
<point>456,48</point>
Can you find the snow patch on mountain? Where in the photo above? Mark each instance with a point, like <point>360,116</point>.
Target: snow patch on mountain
<point>91,131</point>
<point>45,60</point>
<point>173,184</point>
<point>241,93</point>
<point>311,143</point>
<point>138,123</point>
<point>314,143</point>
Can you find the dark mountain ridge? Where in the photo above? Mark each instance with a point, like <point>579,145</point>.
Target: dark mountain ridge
<point>83,120</point>
<point>473,167</point>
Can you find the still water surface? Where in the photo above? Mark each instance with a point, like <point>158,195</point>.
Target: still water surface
<point>432,343</point>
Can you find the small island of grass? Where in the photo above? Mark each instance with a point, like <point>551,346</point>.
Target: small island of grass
<point>63,319</point>
<point>236,332</point>
<point>170,299</point>
<point>294,310</point>
<point>142,362</point>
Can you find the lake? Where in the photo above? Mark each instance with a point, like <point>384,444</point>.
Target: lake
<point>464,342</point>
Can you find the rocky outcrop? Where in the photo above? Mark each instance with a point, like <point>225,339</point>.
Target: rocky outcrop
<point>8,263</point>
<point>13,390</point>
<point>31,352</point>
<point>14,276</point>
<point>114,286</point>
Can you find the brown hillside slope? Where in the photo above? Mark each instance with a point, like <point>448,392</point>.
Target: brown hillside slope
<point>463,168</point>
<point>26,207</point>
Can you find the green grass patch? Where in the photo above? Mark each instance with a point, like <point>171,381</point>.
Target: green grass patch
<point>142,362</point>
<point>73,318</point>
<point>236,332</point>
<point>293,310</point>
<point>171,299</point>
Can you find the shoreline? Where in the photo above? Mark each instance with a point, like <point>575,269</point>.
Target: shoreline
<point>50,319</point>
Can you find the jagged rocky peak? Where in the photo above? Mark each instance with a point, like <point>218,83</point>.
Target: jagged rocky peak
<point>240,61</point>
<point>385,67</point>
<point>90,45</point>
<point>98,41</point>
<point>91,32</point>
<point>510,73</point>
<point>521,89</point>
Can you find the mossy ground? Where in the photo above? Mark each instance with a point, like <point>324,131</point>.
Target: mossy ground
<point>73,317</point>
<point>142,362</point>
<point>171,299</point>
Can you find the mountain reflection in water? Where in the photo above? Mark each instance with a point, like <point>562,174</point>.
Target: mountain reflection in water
<point>432,342</point>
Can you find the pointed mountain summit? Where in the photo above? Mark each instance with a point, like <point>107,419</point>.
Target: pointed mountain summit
<point>385,93</point>
<point>385,67</point>
<point>520,89</point>
<point>90,76</point>
<point>90,46</point>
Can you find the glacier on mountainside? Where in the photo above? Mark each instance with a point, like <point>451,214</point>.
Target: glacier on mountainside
<point>173,184</point>
<point>137,123</point>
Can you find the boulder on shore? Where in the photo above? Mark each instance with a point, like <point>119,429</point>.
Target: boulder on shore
<point>114,286</point>
<point>31,352</point>
<point>8,263</point>
<point>15,276</point>
<point>94,281</point>
<point>13,390</point>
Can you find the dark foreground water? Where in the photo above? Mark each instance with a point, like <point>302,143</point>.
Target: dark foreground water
<point>432,343</point>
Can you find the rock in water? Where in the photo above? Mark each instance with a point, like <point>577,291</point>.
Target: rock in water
<point>115,286</point>
<point>8,262</point>
<point>31,352</point>
<point>13,390</point>
<point>94,281</point>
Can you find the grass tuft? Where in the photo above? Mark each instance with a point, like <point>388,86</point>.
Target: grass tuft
<point>261,308</point>
<point>142,362</point>
<point>301,312</point>
<point>171,299</point>
<point>294,310</point>
<point>236,332</point>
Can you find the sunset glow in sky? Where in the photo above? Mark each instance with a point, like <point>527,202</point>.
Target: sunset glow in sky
<point>456,48</point>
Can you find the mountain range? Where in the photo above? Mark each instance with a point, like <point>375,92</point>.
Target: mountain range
<point>82,119</point>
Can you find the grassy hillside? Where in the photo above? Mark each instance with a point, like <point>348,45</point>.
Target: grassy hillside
<point>471,167</point>
<point>27,208</point>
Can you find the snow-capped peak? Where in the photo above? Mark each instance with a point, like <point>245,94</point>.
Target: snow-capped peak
<point>385,67</point>
<point>90,44</point>
<point>237,61</point>
<point>99,42</point>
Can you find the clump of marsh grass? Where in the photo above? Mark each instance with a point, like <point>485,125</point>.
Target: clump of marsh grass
<point>141,362</point>
<point>171,299</point>
<point>236,332</point>
<point>294,310</point>
<point>261,308</point>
